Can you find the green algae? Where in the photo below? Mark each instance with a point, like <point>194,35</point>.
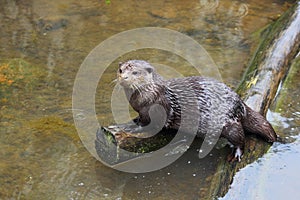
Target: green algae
<point>18,80</point>
<point>287,105</point>
<point>51,125</point>
<point>17,74</point>
<point>290,84</point>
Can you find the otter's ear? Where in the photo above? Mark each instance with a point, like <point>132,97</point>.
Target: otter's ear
<point>149,70</point>
<point>120,63</point>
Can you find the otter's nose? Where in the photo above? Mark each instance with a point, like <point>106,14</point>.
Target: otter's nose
<point>122,77</point>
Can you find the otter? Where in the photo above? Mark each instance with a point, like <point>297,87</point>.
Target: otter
<point>212,103</point>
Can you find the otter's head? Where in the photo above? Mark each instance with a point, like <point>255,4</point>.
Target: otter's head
<point>135,74</point>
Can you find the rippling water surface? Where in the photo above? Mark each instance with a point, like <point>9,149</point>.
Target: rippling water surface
<point>42,46</point>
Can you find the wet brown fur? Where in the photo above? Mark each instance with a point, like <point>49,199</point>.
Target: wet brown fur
<point>144,87</point>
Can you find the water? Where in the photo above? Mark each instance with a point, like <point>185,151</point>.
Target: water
<point>41,155</point>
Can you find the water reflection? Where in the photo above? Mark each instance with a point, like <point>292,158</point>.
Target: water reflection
<point>41,154</point>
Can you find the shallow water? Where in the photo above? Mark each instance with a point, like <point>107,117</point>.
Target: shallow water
<point>41,155</point>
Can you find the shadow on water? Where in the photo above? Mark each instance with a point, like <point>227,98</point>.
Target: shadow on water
<point>42,45</point>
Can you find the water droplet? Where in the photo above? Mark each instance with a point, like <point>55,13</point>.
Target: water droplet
<point>81,184</point>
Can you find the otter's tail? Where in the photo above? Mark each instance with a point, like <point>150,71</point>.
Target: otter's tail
<point>254,122</point>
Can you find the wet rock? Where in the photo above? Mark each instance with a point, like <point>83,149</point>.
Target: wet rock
<point>164,13</point>
<point>46,25</point>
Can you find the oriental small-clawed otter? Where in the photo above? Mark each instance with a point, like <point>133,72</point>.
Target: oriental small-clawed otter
<point>212,103</point>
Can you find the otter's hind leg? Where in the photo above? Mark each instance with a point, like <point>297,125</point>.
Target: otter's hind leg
<point>234,133</point>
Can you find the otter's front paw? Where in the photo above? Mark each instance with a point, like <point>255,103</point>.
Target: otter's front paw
<point>130,127</point>
<point>134,129</point>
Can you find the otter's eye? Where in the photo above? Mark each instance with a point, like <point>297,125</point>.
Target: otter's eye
<point>134,72</point>
<point>120,71</point>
